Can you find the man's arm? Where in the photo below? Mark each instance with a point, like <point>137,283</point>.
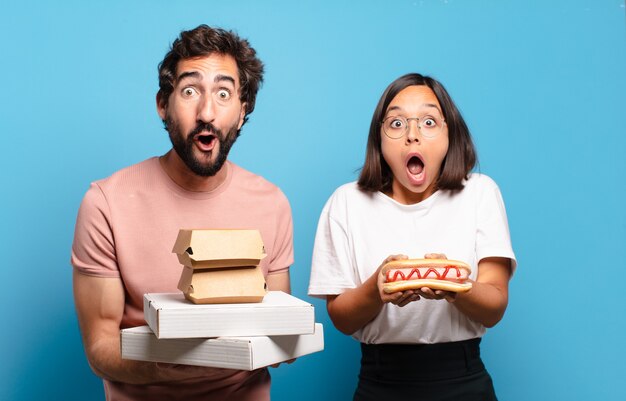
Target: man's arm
<point>279,282</point>
<point>100,307</point>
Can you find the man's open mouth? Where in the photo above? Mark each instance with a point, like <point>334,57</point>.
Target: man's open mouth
<point>206,141</point>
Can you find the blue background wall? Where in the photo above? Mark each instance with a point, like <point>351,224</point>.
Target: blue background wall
<point>541,84</point>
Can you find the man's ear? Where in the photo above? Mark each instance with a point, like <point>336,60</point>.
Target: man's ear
<point>161,106</point>
<point>242,114</point>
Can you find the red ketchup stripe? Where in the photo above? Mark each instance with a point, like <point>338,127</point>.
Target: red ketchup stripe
<point>398,275</point>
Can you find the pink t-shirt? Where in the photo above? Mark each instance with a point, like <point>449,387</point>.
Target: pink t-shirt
<point>127,225</point>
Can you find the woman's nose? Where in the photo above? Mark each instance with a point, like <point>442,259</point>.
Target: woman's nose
<point>412,131</point>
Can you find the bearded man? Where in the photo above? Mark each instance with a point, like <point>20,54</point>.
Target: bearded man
<point>128,222</point>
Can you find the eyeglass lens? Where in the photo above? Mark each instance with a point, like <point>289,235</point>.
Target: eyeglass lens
<point>395,127</point>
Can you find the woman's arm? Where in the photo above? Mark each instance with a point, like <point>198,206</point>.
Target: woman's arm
<point>356,307</point>
<point>489,296</point>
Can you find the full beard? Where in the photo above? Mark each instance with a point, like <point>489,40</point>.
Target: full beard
<point>185,147</point>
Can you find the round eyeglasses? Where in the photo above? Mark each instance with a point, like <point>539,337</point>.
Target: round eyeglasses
<point>395,127</point>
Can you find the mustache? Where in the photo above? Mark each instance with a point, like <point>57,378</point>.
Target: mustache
<point>206,127</point>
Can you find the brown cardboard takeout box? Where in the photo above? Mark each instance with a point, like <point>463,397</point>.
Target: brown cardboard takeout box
<point>221,266</point>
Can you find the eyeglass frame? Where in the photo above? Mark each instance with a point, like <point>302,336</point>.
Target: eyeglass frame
<point>407,127</point>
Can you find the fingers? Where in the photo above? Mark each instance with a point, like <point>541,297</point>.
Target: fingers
<point>435,256</point>
<point>289,361</point>
<point>450,297</point>
<point>404,298</point>
<point>429,293</point>
<point>408,299</point>
<point>401,298</point>
<point>391,258</point>
<point>392,298</point>
<point>395,297</point>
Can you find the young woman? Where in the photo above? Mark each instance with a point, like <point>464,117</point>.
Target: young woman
<point>415,198</point>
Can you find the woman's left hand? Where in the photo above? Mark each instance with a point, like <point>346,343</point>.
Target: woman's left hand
<point>428,293</point>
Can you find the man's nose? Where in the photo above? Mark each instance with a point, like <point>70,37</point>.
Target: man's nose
<point>206,109</point>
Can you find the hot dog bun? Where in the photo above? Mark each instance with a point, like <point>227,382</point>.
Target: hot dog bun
<point>436,274</point>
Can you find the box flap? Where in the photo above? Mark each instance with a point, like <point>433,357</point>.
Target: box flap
<point>202,249</point>
<point>151,312</point>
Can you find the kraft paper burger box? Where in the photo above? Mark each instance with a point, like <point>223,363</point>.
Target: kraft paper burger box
<point>221,266</point>
<point>245,353</point>
<point>170,315</point>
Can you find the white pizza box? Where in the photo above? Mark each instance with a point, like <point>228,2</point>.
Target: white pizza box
<point>170,315</point>
<point>244,353</point>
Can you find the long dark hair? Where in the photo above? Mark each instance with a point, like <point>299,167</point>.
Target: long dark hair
<point>458,162</point>
<point>203,41</point>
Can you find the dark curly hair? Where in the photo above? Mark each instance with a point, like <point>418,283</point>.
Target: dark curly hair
<point>203,41</point>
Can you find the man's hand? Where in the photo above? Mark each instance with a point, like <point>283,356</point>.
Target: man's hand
<point>289,361</point>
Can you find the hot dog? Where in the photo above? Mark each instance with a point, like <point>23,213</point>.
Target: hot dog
<point>436,274</point>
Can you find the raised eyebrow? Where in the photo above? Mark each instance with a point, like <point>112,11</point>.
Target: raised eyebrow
<point>221,77</point>
<point>188,74</point>
<point>196,75</point>
<point>432,105</point>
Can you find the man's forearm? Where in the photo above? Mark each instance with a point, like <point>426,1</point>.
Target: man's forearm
<point>100,306</point>
<point>106,361</point>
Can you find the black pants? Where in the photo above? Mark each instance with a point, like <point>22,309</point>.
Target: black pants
<point>424,372</point>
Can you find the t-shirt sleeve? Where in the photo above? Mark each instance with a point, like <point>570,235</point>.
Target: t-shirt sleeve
<point>332,270</point>
<point>493,238</point>
<point>282,256</point>
<point>93,250</point>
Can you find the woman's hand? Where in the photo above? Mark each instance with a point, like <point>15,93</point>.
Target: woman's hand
<point>429,293</point>
<point>400,298</point>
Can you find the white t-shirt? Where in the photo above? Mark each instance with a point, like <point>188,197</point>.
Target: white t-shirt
<point>358,230</point>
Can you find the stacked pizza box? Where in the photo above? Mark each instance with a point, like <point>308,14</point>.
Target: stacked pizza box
<point>223,317</point>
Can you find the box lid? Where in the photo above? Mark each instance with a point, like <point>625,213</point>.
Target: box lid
<point>202,249</point>
<point>170,315</point>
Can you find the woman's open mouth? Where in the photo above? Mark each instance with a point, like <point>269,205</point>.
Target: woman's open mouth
<point>415,165</point>
<point>416,170</point>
